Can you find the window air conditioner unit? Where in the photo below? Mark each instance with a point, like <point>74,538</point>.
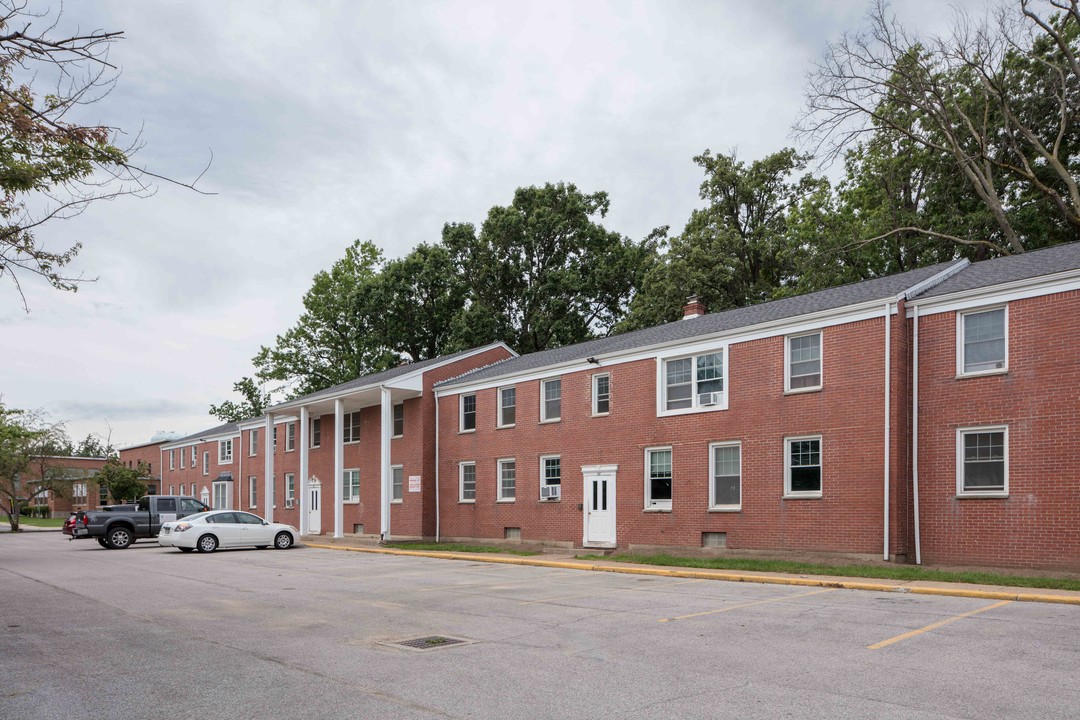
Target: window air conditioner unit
<point>712,398</point>
<point>551,492</point>
<point>289,504</point>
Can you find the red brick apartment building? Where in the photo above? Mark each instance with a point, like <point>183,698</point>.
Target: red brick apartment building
<point>928,416</point>
<point>77,473</point>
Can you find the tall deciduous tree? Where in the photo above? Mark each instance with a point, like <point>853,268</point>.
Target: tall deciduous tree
<point>333,341</point>
<point>254,401</point>
<point>736,250</point>
<point>998,100</point>
<point>123,483</point>
<point>543,272</point>
<point>18,439</point>
<point>52,166</point>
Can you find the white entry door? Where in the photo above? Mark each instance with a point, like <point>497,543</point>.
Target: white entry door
<point>599,505</point>
<point>314,517</point>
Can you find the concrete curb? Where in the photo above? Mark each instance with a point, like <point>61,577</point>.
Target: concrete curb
<point>719,575</point>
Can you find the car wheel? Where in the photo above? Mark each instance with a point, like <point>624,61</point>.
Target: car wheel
<point>186,549</point>
<point>102,543</point>
<point>283,541</point>
<point>207,544</point>
<point>119,538</point>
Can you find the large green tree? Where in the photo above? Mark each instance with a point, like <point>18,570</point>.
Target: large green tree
<point>991,109</point>
<point>543,272</point>
<point>736,250</point>
<point>124,483</point>
<point>19,439</point>
<point>334,340</point>
<point>253,402</point>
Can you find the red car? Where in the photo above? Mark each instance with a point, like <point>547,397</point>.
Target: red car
<point>69,525</point>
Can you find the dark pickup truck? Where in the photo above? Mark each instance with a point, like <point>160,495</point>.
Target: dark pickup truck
<point>117,528</point>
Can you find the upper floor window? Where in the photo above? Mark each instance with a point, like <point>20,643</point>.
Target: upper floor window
<point>802,370</point>
<point>658,478</point>
<point>224,451</point>
<point>983,341</point>
<point>182,456</point>
<point>350,428</point>
<point>507,406</point>
<point>802,466</point>
<point>601,394</point>
<point>982,461</point>
<point>550,400</point>
<point>206,462</point>
<point>399,419</point>
<point>694,382</point>
<point>290,437</point>
<point>467,413</point>
<point>725,488</point>
<point>316,432</point>
<point>253,442</point>
<point>194,457</point>
<point>172,460</point>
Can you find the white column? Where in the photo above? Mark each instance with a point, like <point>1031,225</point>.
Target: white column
<point>339,465</point>
<point>386,430</point>
<point>268,469</point>
<point>304,443</point>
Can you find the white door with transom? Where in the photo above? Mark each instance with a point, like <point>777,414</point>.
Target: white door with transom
<point>599,505</point>
<point>314,516</point>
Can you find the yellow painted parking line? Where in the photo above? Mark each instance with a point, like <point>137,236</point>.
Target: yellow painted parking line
<point>745,604</point>
<point>935,626</point>
<point>605,592</point>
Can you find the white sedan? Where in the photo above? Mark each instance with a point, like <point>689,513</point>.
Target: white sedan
<point>207,531</point>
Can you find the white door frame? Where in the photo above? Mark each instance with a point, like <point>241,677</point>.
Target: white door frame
<point>314,506</point>
<point>590,474</point>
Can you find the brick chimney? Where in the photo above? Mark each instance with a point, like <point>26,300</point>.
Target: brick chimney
<point>693,308</point>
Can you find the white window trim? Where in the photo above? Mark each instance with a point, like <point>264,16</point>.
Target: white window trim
<point>712,476</point>
<point>194,457</point>
<point>393,420</point>
<point>290,496</point>
<point>658,505</point>
<point>960,373</point>
<point>253,442</point>
<point>960,433</point>
<point>311,432</point>
<point>253,491</point>
<point>803,495</point>
<point>661,383</point>
<point>206,462</point>
<point>499,396</point>
<point>543,480</point>
<point>290,437</point>
<point>352,501</point>
<point>172,459</point>
<point>461,481</point>
<point>498,480</point>
<point>183,459</point>
<point>224,459</point>
<point>543,391</point>
<point>787,363</point>
<point>461,413</point>
<point>345,423</point>
<point>172,489</point>
<point>393,500</point>
<point>593,382</point>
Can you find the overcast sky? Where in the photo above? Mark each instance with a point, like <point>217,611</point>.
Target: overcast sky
<point>332,121</point>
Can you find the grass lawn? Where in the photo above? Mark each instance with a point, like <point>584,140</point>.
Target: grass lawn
<point>42,522</point>
<point>459,547</point>
<point>898,572</point>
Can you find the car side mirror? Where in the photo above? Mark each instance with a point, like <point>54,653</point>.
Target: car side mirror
<point>266,522</point>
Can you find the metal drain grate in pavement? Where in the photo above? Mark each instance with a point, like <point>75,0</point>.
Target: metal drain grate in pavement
<point>429,642</point>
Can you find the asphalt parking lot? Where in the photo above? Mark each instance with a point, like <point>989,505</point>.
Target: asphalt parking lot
<point>148,632</point>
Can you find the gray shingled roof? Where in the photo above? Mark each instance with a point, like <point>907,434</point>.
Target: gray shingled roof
<point>884,288</point>
<point>1031,264</point>
<point>381,377</point>
<point>227,428</point>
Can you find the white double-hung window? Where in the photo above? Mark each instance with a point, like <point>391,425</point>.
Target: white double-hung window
<point>982,342</point>
<point>696,382</point>
<point>982,461</point>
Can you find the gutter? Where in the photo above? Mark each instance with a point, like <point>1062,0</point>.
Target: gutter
<point>437,515</point>
<point>888,423</point>
<point>915,431</point>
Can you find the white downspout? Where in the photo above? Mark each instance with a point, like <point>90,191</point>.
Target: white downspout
<point>268,470</point>
<point>915,431</point>
<point>386,481</point>
<point>888,420</point>
<point>436,464</point>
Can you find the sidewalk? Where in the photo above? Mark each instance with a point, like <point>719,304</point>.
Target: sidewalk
<point>558,558</point>
<point>23,527</point>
